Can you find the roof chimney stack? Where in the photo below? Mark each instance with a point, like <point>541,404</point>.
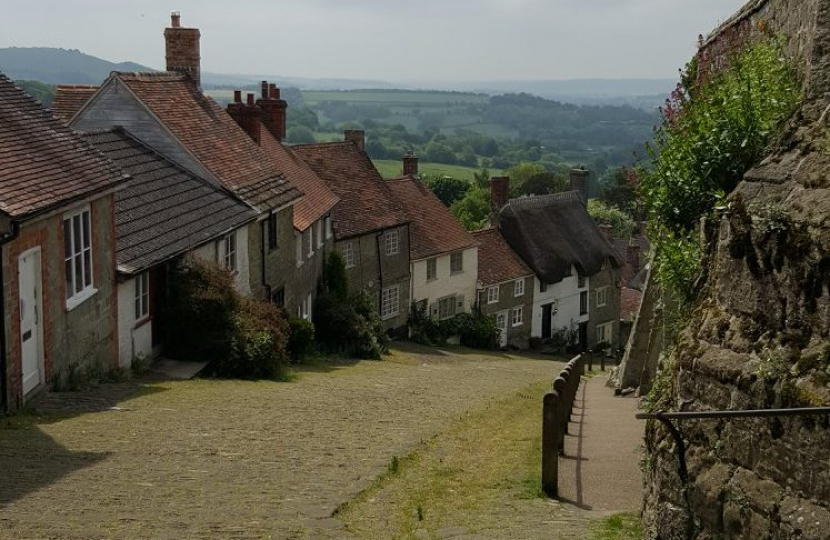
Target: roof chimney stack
<point>237,96</point>
<point>499,195</point>
<point>357,136</point>
<point>410,165</point>
<point>579,182</point>
<point>606,232</point>
<point>273,110</point>
<point>633,256</point>
<point>246,115</point>
<point>182,49</point>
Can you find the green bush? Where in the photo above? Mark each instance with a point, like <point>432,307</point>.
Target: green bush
<point>335,278</point>
<point>300,338</point>
<point>240,337</point>
<point>475,329</point>
<point>352,327</point>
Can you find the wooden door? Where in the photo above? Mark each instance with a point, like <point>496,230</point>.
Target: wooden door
<point>31,347</point>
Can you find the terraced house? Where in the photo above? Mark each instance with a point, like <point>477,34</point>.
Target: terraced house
<point>371,230</point>
<point>167,112</point>
<point>443,255</point>
<point>57,230</point>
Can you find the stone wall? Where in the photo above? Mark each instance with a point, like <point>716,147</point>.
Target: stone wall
<point>759,336</point>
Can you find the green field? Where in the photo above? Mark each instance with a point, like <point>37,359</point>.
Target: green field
<point>404,98</point>
<point>390,169</point>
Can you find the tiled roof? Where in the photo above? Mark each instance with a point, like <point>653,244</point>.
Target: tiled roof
<point>69,98</point>
<point>366,203</point>
<point>317,199</point>
<point>164,210</point>
<point>497,262</point>
<point>213,137</point>
<point>432,227</point>
<point>621,246</point>
<point>42,162</point>
<point>629,303</point>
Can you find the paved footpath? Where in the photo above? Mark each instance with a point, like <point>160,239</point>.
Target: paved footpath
<point>601,467</point>
<point>231,459</point>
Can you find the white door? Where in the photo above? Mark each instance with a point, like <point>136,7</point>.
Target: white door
<point>30,348</point>
<point>501,322</point>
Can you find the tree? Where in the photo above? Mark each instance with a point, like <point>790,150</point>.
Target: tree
<point>474,209</point>
<point>300,134</point>
<point>543,184</point>
<point>446,188</point>
<point>519,174</point>
<point>439,152</point>
<point>622,226</point>
<point>618,188</point>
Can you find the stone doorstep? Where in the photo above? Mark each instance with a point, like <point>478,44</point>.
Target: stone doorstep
<point>177,370</point>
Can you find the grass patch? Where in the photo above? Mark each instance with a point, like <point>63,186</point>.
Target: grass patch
<point>618,527</point>
<point>390,168</point>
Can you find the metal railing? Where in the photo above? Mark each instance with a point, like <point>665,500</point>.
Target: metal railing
<point>557,408</point>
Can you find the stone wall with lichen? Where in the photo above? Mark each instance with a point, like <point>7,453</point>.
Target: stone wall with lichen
<point>759,336</point>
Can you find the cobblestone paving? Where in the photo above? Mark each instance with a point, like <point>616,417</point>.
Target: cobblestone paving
<point>228,459</point>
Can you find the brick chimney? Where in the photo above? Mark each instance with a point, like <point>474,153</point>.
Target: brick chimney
<point>273,110</point>
<point>410,165</point>
<point>499,192</point>
<point>606,232</point>
<point>182,49</point>
<point>247,115</point>
<point>633,257</point>
<point>579,182</point>
<point>357,136</point>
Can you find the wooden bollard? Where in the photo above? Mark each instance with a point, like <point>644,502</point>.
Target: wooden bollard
<point>602,363</point>
<point>559,386</point>
<point>550,444</point>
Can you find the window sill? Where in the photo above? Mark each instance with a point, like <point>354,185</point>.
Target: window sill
<point>141,322</point>
<point>80,298</point>
<point>389,316</point>
<point>516,325</point>
<point>490,303</point>
<point>456,272</point>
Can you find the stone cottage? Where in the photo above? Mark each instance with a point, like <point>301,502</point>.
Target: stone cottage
<point>57,220</point>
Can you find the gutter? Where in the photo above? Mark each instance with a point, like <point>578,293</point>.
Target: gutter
<point>4,372</point>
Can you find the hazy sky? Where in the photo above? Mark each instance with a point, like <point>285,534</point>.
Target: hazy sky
<point>399,40</point>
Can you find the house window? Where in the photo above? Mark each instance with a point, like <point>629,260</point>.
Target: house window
<point>543,286</point>
<point>319,234</point>
<point>328,227</point>
<point>142,296</point>
<point>298,248</point>
<point>304,309</point>
<point>272,231</point>
<point>393,244</point>
<point>457,262</point>
<point>446,307</point>
<point>583,302</point>
<point>492,295</point>
<point>389,302</point>
<point>604,332</point>
<point>278,297</point>
<point>602,296</point>
<point>348,254</point>
<point>309,240</point>
<point>519,287</point>
<point>77,237</point>
<point>229,252</point>
<point>432,268</point>
<point>581,282</point>
<point>518,316</point>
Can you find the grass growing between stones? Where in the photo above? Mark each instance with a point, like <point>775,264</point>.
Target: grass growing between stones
<point>486,460</point>
<point>619,527</point>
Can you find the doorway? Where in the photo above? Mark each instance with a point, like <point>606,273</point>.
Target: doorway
<point>547,319</point>
<point>501,322</point>
<point>31,335</point>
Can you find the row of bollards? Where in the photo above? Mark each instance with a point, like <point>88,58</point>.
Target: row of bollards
<point>556,415</point>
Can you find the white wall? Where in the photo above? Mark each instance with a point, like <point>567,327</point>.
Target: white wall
<point>132,341</point>
<point>565,296</point>
<point>209,252</point>
<point>446,284</point>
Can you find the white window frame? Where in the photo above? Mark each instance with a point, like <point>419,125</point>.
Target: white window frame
<point>581,282</point>
<point>584,294</point>
<point>393,243</point>
<point>79,258</point>
<point>229,252</point>
<point>347,251</point>
<point>457,256</point>
<point>309,236</point>
<point>298,248</point>
<point>142,297</point>
<point>434,263</point>
<point>390,302</point>
<point>450,312</point>
<point>319,234</point>
<point>604,332</point>
<point>519,288</point>
<point>328,227</point>
<point>517,316</point>
<point>493,295</point>
<point>602,297</point>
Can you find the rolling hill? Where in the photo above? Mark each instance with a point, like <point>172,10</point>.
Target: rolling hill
<point>59,66</point>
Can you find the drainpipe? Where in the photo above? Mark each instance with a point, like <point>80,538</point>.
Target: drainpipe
<point>4,373</point>
<point>378,237</point>
<point>262,229</point>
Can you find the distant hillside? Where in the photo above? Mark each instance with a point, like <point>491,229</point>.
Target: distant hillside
<point>59,66</point>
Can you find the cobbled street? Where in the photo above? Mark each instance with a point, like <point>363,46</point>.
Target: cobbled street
<point>231,459</point>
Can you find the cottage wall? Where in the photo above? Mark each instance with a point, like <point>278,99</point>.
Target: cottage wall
<point>609,315</point>
<point>517,336</point>
<point>134,340</point>
<point>305,280</point>
<point>446,283</point>
<point>212,252</point>
<point>564,296</point>
<point>83,337</point>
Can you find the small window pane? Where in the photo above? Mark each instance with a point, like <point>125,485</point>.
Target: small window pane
<point>87,268</point>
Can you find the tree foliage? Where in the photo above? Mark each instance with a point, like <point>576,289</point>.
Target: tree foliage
<point>446,188</point>
<point>622,226</point>
<point>473,210</point>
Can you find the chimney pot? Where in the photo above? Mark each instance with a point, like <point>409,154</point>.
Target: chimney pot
<point>175,19</point>
<point>357,136</point>
<point>579,182</point>
<point>250,99</point>
<point>499,192</point>
<point>633,256</point>
<point>410,165</point>
<point>273,91</point>
<point>264,89</point>
<point>237,96</point>
<point>182,50</point>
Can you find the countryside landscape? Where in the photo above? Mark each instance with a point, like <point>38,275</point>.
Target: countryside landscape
<point>268,275</point>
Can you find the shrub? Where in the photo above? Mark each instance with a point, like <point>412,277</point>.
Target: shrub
<point>241,337</point>
<point>477,330</point>
<point>300,338</point>
<point>352,327</point>
<point>335,279</point>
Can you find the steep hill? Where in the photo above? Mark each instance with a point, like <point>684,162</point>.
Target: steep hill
<point>59,66</point>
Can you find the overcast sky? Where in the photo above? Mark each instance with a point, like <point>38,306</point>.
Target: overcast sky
<point>396,40</point>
